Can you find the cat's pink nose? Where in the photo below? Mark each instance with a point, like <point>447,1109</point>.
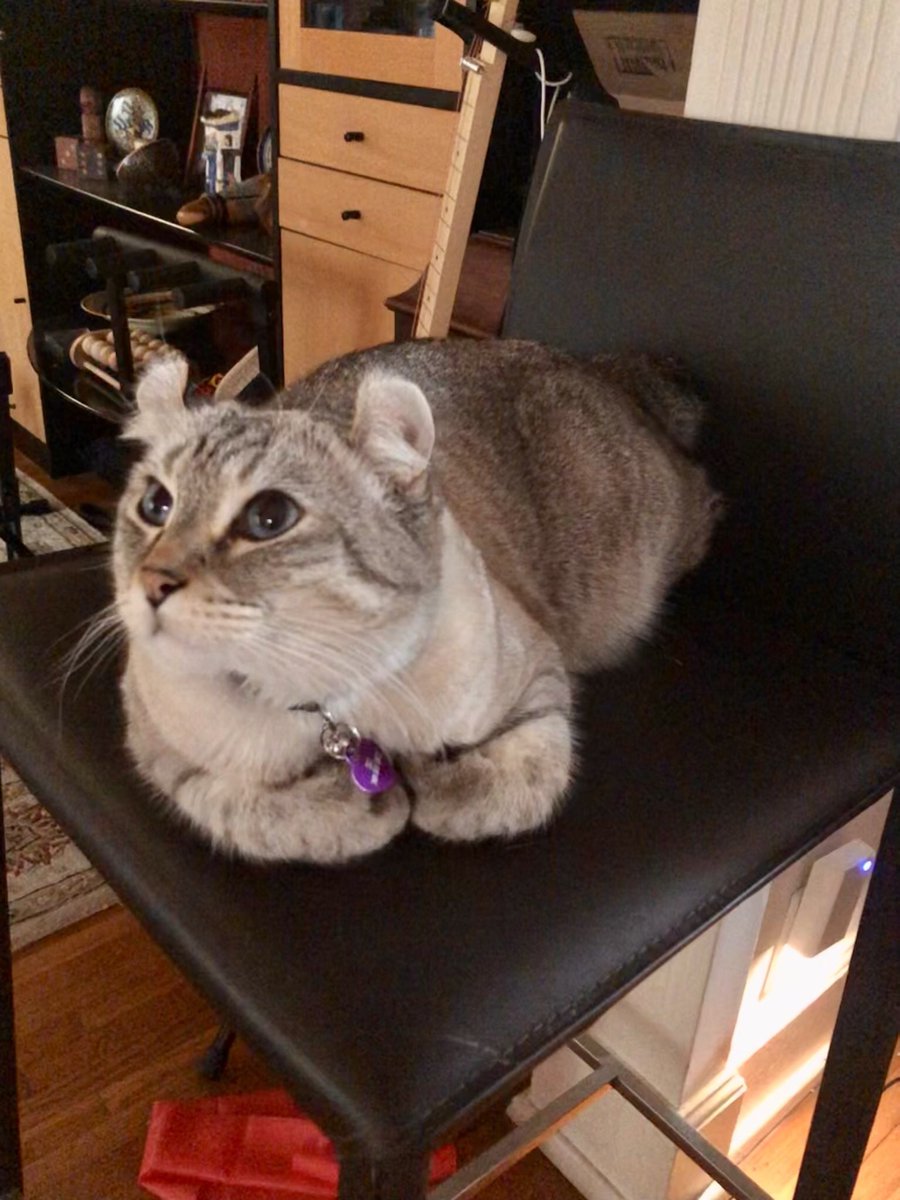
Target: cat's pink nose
<point>160,582</point>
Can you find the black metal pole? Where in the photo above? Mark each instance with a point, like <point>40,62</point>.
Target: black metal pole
<point>864,1035</point>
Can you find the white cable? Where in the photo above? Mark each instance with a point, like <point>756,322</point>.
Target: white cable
<point>542,77</point>
<point>545,83</point>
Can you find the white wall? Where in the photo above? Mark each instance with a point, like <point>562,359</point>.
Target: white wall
<point>819,66</point>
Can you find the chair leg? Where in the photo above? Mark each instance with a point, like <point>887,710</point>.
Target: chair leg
<point>864,1037</point>
<point>403,1178</point>
<point>214,1060</point>
<point>10,1152</point>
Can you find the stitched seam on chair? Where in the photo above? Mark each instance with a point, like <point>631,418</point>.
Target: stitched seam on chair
<point>739,884</point>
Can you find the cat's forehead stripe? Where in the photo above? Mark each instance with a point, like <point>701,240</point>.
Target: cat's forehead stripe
<point>248,468</point>
<point>218,446</point>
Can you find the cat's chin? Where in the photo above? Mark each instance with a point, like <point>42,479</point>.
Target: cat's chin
<point>176,655</point>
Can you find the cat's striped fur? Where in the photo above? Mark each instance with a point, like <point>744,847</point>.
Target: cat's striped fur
<point>475,521</point>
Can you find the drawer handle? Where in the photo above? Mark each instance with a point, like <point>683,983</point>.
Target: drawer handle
<point>351,214</point>
<point>354,135</point>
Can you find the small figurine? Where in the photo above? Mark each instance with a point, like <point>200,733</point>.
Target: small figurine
<point>91,115</point>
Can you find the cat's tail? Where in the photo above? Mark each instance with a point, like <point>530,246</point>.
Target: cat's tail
<point>662,388</point>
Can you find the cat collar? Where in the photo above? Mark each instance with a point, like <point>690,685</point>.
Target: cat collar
<point>371,770</point>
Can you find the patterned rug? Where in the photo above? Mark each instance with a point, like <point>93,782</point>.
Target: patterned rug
<point>51,883</point>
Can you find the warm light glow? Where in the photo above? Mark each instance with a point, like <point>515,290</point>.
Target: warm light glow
<point>794,983</point>
<point>770,1105</point>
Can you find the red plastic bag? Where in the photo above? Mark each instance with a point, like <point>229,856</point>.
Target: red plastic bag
<point>257,1146</point>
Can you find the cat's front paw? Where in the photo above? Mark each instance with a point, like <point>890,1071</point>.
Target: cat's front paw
<point>343,823</point>
<point>319,817</point>
<point>509,786</point>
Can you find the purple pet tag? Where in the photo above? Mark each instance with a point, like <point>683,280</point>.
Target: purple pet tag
<point>370,768</point>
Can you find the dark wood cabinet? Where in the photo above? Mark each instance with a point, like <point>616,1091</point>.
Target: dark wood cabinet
<point>170,49</point>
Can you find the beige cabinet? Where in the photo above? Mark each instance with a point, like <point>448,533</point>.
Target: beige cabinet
<point>424,56</point>
<point>333,301</point>
<point>382,139</point>
<point>382,219</point>
<point>360,185</point>
<point>15,312</point>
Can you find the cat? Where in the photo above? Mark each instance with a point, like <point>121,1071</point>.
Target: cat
<point>424,541</point>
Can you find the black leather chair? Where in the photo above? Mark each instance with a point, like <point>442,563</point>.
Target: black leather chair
<point>401,996</point>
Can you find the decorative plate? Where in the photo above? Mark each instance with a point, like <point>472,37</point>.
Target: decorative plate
<point>264,153</point>
<point>131,118</point>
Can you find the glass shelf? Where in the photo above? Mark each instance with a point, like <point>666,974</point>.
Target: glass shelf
<point>81,389</point>
<point>159,207</point>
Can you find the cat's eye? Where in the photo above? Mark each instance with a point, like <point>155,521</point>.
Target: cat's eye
<point>266,516</point>
<point>156,503</point>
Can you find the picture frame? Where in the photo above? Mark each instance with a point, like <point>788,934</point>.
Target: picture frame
<point>219,136</point>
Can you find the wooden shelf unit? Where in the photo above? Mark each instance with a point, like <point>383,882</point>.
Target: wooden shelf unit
<point>166,47</point>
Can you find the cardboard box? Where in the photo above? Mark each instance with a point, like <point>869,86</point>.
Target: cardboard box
<point>641,58</point>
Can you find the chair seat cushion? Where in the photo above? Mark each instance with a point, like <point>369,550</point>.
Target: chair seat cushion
<point>397,995</point>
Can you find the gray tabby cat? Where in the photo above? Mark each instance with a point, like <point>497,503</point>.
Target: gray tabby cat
<point>423,540</point>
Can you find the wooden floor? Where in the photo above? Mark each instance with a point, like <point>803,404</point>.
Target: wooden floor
<point>106,1025</point>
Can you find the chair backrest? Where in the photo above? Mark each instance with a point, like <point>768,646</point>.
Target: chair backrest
<point>768,262</point>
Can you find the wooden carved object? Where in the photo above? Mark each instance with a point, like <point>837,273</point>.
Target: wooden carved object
<point>91,102</point>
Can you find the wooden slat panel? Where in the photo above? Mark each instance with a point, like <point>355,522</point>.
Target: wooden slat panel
<point>397,224</point>
<point>473,131</point>
<point>402,143</point>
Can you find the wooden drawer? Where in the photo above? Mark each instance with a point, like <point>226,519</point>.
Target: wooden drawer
<point>333,301</point>
<point>401,143</point>
<point>4,132</point>
<point>395,224</point>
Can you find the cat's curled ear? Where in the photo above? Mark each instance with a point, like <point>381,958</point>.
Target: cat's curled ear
<point>162,386</point>
<point>394,429</point>
<point>159,394</point>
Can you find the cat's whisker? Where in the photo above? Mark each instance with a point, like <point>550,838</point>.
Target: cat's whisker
<point>370,649</point>
<point>320,660</point>
<point>277,653</point>
<point>364,657</point>
<point>101,633</point>
<point>102,636</point>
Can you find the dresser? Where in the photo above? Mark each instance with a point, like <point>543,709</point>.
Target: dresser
<point>367,121</point>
